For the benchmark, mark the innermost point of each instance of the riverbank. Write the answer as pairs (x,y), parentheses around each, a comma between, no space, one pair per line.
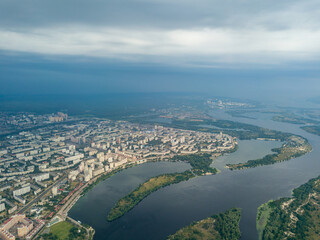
(297,217)
(294,145)
(221,226)
(163,213)
(200,164)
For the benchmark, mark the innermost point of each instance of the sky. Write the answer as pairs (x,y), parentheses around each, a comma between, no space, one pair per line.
(235,48)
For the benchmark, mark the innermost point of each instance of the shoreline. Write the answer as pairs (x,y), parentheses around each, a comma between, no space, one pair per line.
(200,164)
(107,175)
(297,217)
(104,176)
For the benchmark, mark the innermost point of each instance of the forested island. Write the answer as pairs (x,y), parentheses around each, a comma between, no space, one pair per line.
(223,226)
(315,129)
(292,218)
(200,164)
(310,125)
(293,119)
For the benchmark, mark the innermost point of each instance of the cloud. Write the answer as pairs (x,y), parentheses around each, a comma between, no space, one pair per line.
(210,31)
(160,13)
(214,45)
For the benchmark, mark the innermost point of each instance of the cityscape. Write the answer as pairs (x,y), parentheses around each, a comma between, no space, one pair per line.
(44,170)
(159,120)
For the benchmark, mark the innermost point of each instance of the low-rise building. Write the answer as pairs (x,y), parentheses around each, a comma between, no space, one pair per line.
(2,207)
(41,177)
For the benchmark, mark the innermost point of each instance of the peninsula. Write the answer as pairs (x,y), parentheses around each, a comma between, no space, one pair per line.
(294,146)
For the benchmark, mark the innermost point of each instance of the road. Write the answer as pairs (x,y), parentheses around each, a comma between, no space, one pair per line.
(29,204)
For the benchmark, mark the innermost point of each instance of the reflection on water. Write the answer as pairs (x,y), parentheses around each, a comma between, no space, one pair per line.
(170,208)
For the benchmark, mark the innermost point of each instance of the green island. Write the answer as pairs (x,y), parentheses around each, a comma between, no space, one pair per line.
(128,202)
(315,129)
(294,146)
(223,226)
(200,166)
(294,218)
(311,125)
(241,113)
(293,118)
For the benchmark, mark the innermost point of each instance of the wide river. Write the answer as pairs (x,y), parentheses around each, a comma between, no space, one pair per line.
(165,211)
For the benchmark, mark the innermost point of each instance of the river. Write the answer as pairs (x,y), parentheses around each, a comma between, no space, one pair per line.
(165,211)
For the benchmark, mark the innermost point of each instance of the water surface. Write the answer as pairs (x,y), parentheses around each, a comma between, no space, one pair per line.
(165,211)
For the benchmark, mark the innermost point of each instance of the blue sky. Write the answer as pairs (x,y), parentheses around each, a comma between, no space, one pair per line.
(80,46)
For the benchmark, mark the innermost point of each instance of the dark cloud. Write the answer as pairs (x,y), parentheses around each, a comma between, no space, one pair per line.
(203,33)
(154,13)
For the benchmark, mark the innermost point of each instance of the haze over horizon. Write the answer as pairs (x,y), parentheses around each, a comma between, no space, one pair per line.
(248,49)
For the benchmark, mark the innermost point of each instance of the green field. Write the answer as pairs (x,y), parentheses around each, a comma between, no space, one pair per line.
(223,226)
(61,230)
(65,230)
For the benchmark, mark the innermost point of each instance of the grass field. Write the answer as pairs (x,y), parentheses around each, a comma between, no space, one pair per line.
(61,230)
